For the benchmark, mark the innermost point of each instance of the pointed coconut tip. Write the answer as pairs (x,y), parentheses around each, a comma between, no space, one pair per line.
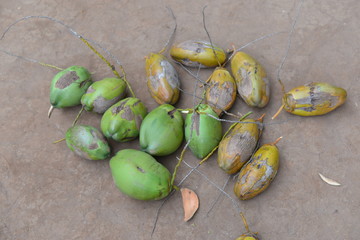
(278,112)
(277,140)
(190,203)
(51,109)
(261,118)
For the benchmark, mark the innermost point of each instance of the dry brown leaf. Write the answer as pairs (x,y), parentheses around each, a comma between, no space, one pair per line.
(329,181)
(190,203)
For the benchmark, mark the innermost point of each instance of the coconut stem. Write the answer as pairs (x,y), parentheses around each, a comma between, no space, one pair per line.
(245,222)
(207,32)
(282,86)
(260,119)
(51,109)
(101,56)
(232,52)
(209,155)
(173,32)
(51,66)
(31,60)
(208,80)
(277,140)
(126,81)
(177,166)
(246,115)
(112,67)
(78,116)
(278,112)
(60,140)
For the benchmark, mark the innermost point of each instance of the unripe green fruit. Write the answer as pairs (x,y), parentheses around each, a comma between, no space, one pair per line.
(161,132)
(87,142)
(205,133)
(103,94)
(68,86)
(138,175)
(122,121)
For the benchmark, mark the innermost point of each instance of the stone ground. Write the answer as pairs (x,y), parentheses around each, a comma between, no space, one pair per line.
(46,192)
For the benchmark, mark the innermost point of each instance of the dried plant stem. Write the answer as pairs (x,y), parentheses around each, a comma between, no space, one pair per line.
(158,212)
(177,166)
(209,155)
(252,42)
(112,67)
(207,32)
(277,140)
(31,60)
(78,115)
(51,66)
(101,57)
(261,117)
(215,185)
(191,73)
(220,194)
(173,32)
(288,45)
(278,112)
(60,140)
(245,222)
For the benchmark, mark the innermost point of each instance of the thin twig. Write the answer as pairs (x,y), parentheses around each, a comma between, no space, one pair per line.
(289,44)
(232,121)
(215,185)
(254,41)
(220,194)
(60,140)
(78,115)
(191,73)
(31,60)
(159,209)
(173,32)
(207,33)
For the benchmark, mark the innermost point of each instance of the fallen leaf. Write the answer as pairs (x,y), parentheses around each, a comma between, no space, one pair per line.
(190,203)
(329,181)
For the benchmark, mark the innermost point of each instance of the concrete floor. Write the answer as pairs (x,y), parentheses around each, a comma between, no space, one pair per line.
(46,192)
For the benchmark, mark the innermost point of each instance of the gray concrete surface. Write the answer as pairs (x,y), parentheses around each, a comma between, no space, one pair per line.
(46,192)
